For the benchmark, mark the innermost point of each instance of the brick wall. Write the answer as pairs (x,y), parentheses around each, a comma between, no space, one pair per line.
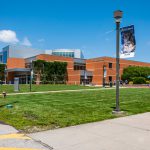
(15,63)
(96,66)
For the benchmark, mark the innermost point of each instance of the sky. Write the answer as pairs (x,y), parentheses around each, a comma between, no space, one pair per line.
(75,24)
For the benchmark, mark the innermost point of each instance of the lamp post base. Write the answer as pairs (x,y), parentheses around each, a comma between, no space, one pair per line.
(118,112)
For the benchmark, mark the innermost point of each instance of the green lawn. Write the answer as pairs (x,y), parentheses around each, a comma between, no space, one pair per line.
(47,111)
(44,87)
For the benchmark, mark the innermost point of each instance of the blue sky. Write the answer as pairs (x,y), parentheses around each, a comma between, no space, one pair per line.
(84,24)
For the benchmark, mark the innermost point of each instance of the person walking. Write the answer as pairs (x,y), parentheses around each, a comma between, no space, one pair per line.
(114,82)
(126,81)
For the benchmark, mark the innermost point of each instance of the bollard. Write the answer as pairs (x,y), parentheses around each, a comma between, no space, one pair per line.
(110,84)
(4,94)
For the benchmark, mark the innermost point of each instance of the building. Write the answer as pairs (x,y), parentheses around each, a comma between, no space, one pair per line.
(73,53)
(17,58)
(104,68)
(1,57)
(19,51)
(90,71)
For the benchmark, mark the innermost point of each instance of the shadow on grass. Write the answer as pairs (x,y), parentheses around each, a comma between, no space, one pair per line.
(3,123)
(3,105)
(113,108)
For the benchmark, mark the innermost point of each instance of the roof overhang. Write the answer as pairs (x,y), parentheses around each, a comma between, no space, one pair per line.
(85,72)
(18,70)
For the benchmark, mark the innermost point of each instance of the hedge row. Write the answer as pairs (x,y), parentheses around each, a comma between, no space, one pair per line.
(136,74)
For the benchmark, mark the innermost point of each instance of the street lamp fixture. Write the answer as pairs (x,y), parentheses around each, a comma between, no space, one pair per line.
(117,15)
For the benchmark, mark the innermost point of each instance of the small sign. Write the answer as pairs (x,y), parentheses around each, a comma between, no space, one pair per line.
(85,75)
(16,84)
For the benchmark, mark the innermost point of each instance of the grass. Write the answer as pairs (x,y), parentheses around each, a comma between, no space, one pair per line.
(44,87)
(47,111)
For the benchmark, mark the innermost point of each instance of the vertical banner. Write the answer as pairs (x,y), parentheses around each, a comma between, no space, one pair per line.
(128,43)
(32,73)
(105,72)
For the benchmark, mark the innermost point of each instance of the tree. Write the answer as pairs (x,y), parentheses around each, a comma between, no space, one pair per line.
(60,71)
(54,72)
(139,80)
(131,72)
(2,72)
(38,68)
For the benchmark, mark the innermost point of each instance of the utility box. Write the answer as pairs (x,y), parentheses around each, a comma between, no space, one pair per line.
(111,84)
(16,84)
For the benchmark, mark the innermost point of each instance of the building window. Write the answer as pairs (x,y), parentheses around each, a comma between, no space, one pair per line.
(65,54)
(110,65)
(5,56)
(1,58)
(78,66)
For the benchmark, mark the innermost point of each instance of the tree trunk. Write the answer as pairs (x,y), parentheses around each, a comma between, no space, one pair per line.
(38,79)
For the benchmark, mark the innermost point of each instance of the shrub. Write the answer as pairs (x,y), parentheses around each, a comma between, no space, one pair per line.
(135,71)
(139,80)
(50,72)
(131,82)
(147,82)
(2,69)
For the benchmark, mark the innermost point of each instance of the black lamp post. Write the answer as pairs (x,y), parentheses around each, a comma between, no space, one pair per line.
(31,75)
(104,75)
(117,16)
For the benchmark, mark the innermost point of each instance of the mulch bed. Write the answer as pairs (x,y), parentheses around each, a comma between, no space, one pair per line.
(137,86)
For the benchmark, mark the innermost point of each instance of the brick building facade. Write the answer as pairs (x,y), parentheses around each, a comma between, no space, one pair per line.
(97,65)
(89,71)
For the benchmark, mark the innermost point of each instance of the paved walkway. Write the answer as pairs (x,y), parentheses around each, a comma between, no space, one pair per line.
(11,139)
(59,91)
(62,91)
(127,133)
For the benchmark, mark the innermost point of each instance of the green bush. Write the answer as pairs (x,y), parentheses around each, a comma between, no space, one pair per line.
(147,82)
(135,71)
(2,69)
(50,72)
(131,82)
(139,80)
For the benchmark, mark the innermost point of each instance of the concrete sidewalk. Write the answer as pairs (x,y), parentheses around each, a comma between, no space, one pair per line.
(127,133)
(6,129)
(11,139)
(59,91)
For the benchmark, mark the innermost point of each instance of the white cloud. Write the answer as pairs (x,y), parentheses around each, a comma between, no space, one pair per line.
(41,40)
(108,32)
(8,36)
(26,42)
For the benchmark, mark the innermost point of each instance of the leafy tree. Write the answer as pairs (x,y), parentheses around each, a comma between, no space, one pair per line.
(131,72)
(50,71)
(139,80)
(2,74)
(38,68)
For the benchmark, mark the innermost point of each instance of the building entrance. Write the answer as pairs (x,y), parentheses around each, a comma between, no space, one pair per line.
(84,81)
(22,73)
